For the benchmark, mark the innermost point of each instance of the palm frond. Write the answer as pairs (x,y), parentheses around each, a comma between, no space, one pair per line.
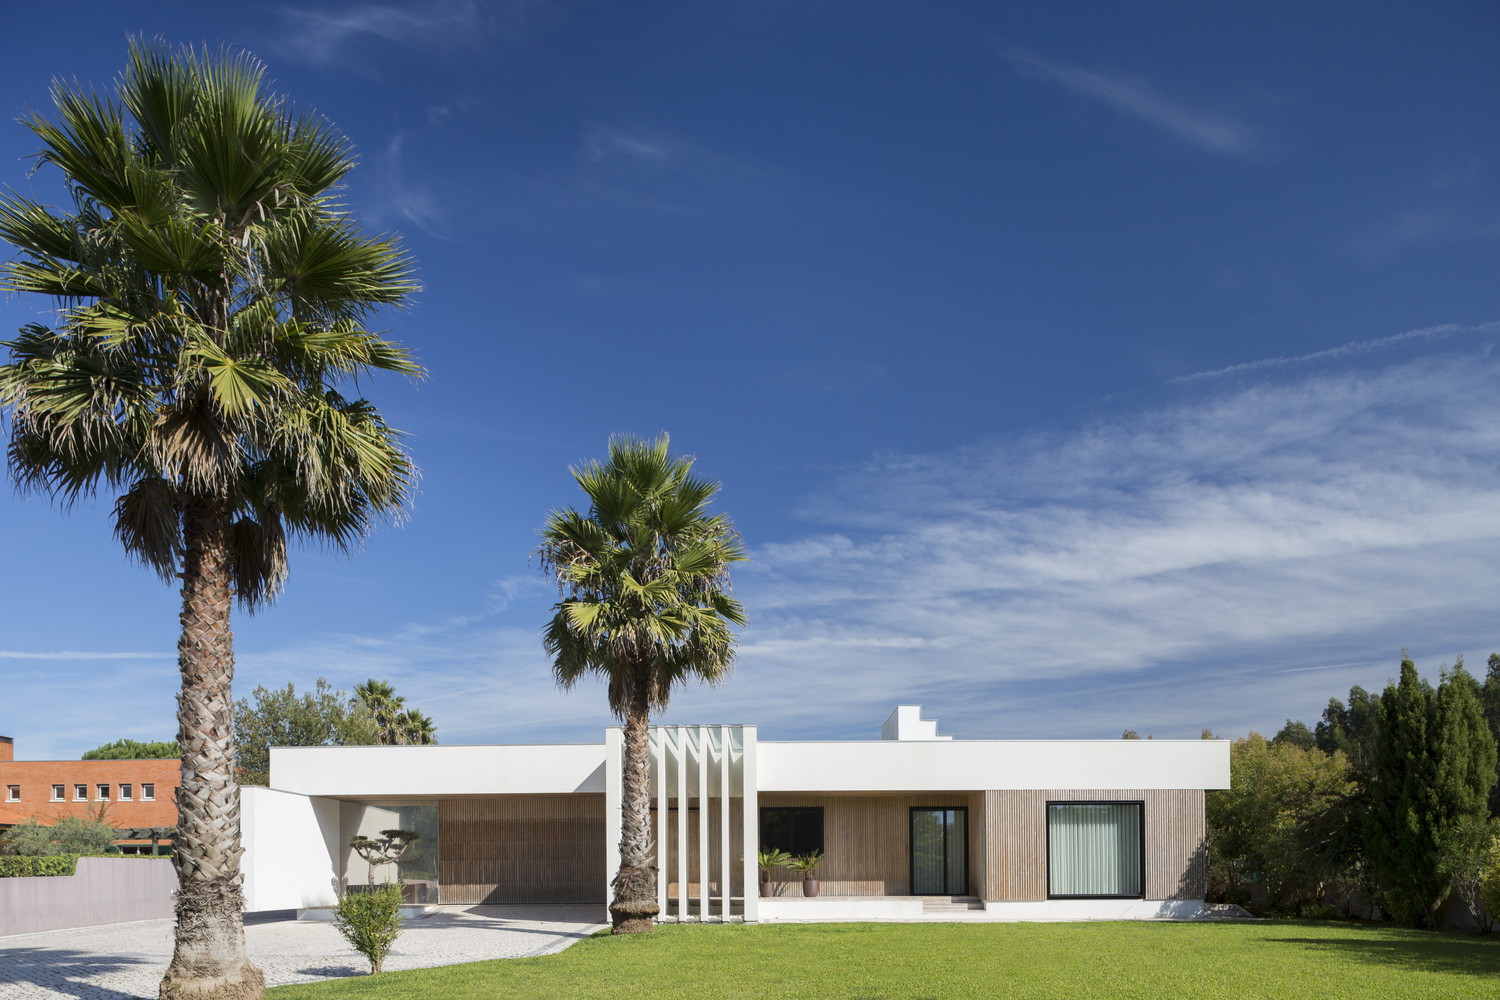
(147,524)
(257,556)
(643,577)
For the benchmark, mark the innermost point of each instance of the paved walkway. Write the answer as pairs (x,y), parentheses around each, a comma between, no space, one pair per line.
(127,961)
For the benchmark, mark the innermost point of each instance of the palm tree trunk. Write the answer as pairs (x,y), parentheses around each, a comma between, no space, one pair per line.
(635,904)
(209,959)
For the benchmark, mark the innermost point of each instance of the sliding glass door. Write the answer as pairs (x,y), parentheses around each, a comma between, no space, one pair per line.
(939,851)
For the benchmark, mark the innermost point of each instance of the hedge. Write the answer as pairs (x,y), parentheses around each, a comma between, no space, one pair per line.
(23,866)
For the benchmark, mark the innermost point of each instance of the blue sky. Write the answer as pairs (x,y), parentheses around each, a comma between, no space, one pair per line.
(1067,370)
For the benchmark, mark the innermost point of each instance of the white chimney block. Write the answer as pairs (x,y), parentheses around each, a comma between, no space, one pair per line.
(906,723)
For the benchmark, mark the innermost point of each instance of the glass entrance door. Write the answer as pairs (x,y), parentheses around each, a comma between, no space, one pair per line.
(939,851)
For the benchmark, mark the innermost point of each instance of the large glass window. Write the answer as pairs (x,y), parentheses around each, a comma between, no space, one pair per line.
(1094,849)
(796,830)
(417,869)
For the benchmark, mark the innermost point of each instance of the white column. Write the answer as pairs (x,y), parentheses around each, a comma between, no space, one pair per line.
(751,823)
(724,826)
(614,804)
(660,827)
(684,890)
(703,810)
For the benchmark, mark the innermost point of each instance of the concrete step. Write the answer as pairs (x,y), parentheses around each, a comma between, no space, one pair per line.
(951,904)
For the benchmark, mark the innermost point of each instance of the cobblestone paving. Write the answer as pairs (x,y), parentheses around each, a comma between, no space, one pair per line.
(127,961)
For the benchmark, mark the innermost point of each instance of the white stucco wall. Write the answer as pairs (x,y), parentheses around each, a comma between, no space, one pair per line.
(407,772)
(290,843)
(855,766)
(964,765)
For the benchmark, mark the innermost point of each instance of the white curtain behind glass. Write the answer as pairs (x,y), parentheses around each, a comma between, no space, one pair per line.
(1094,849)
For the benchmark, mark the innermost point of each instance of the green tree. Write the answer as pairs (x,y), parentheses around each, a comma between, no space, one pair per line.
(644,577)
(323,717)
(68,835)
(1295,734)
(134,750)
(1401,845)
(212,302)
(1465,754)
(1433,770)
(1489,702)
(1351,729)
(1278,820)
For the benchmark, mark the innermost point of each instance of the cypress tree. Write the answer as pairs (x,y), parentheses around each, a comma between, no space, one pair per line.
(1433,768)
(1489,702)
(1465,753)
(1400,841)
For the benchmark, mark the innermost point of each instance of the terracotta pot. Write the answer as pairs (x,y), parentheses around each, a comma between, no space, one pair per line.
(767,890)
(811,887)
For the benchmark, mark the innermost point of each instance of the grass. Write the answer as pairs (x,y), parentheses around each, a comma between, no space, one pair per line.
(1070,961)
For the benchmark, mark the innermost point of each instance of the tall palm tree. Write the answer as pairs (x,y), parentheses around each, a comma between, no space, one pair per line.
(644,578)
(212,300)
(380,699)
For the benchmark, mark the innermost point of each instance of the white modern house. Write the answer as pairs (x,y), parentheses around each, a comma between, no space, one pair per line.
(1020,829)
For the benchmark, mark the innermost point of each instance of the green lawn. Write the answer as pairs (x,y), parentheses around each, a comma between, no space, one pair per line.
(1151,961)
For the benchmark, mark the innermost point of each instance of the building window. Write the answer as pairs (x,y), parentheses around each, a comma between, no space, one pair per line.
(13,793)
(796,830)
(80,793)
(127,792)
(103,793)
(148,791)
(57,792)
(1095,849)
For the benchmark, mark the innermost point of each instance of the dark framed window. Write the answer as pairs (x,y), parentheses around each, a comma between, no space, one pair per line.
(794,829)
(939,850)
(1096,850)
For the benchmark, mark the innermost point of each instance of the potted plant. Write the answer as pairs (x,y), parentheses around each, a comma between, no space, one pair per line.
(807,864)
(765,861)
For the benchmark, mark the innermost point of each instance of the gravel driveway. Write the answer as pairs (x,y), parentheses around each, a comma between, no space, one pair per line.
(127,961)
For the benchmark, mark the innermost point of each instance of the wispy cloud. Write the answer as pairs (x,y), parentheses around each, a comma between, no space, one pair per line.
(410,201)
(1228,560)
(320,32)
(1139,100)
(659,171)
(603,143)
(1346,350)
(1452,224)
(76,654)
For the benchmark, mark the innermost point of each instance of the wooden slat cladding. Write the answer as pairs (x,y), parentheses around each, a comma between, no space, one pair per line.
(522,849)
(868,841)
(736,850)
(1016,840)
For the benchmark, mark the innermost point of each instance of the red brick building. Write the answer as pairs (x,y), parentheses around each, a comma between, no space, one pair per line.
(133,794)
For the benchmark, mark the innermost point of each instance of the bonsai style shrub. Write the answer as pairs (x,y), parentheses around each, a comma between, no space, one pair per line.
(370,921)
(386,849)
